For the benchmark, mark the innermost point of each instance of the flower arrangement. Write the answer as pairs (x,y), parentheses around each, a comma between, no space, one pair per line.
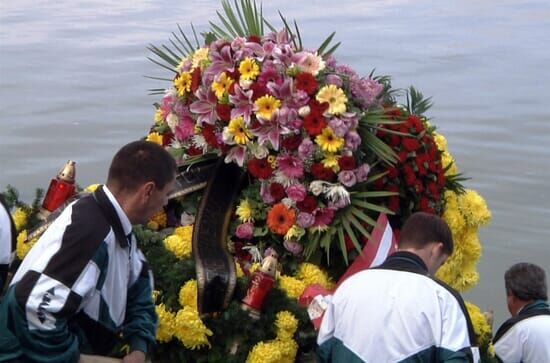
(324,150)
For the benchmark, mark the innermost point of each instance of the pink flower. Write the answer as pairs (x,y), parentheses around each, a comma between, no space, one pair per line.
(305,220)
(323,217)
(266,194)
(245,230)
(185,129)
(353,140)
(306,148)
(347,178)
(296,192)
(293,247)
(334,79)
(291,166)
(362,173)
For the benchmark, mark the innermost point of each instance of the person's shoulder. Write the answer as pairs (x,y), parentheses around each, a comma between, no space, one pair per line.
(86,221)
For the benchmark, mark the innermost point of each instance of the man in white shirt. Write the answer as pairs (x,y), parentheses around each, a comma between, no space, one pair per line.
(525,337)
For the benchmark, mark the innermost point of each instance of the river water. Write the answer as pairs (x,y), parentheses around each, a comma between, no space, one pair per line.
(72,86)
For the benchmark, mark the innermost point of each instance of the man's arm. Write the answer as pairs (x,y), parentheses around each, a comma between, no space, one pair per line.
(141,319)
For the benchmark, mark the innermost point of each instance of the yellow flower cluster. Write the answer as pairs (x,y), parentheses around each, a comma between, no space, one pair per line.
(245,212)
(446,157)
(283,348)
(20,218)
(200,58)
(167,324)
(23,247)
(154,137)
(188,294)
(312,274)
(292,286)
(190,329)
(481,325)
(180,242)
(158,221)
(465,213)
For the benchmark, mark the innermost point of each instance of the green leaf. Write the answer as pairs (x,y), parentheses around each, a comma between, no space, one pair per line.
(371,206)
(372,194)
(351,235)
(362,216)
(342,242)
(325,43)
(358,226)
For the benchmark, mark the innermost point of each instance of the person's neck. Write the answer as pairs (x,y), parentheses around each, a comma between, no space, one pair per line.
(124,200)
(521,305)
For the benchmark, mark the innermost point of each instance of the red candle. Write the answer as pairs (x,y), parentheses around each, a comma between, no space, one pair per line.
(261,283)
(61,188)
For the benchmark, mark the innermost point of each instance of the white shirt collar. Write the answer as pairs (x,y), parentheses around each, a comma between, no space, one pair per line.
(126,224)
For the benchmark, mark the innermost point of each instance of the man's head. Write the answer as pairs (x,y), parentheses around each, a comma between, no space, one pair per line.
(141,176)
(429,237)
(524,282)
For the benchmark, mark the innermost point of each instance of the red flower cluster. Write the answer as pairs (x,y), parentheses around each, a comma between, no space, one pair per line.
(418,176)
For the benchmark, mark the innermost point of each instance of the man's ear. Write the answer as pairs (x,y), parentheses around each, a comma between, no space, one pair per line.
(148,189)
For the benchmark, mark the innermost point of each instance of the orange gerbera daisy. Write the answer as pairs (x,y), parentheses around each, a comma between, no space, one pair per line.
(280,218)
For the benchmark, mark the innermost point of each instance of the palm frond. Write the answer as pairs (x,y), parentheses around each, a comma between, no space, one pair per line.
(416,103)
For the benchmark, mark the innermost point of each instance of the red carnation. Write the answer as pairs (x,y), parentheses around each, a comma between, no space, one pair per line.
(210,135)
(307,83)
(392,111)
(441,179)
(419,186)
(255,39)
(347,163)
(425,205)
(403,155)
(393,203)
(308,205)
(292,142)
(223,111)
(393,172)
(277,191)
(193,150)
(314,123)
(411,144)
(195,79)
(395,140)
(410,177)
(257,91)
(260,168)
(434,189)
(416,122)
(320,172)
(317,107)
(167,138)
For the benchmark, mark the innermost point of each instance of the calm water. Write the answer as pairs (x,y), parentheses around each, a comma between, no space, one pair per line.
(72,86)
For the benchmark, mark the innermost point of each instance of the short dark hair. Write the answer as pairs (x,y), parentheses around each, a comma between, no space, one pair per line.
(526,281)
(421,228)
(139,162)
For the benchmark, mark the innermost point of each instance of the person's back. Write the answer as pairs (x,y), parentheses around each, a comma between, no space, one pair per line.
(397,312)
(525,337)
(7,241)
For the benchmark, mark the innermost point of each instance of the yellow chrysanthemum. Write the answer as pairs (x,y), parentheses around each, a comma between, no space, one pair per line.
(329,141)
(441,141)
(292,286)
(274,351)
(92,188)
(20,218)
(245,212)
(183,83)
(158,221)
(266,106)
(335,97)
(178,245)
(155,137)
(331,162)
(239,270)
(188,294)
(190,329)
(312,274)
(222,85)
(255,266)
(249,69)
(237,128)
(159,116)
(200,58)
(286,324)
(166,325)
(474,208)
(23,247)
(481,325)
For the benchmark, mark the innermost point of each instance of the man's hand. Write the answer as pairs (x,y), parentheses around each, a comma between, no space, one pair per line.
(136,356)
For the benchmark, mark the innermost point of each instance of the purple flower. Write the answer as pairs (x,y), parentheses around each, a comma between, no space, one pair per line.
(266,194)
(269,74)
(305,220)
(334,79)
(245,230)
(291,166)
(339,127)
(242,100)
(347,178)
(353,140)
(222,59)
(236,154)
(296,192)
(306,148)
(270,131)
(362,173)
(205,106)
(185,128)
(365,89)
(293,247)
(346,70)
